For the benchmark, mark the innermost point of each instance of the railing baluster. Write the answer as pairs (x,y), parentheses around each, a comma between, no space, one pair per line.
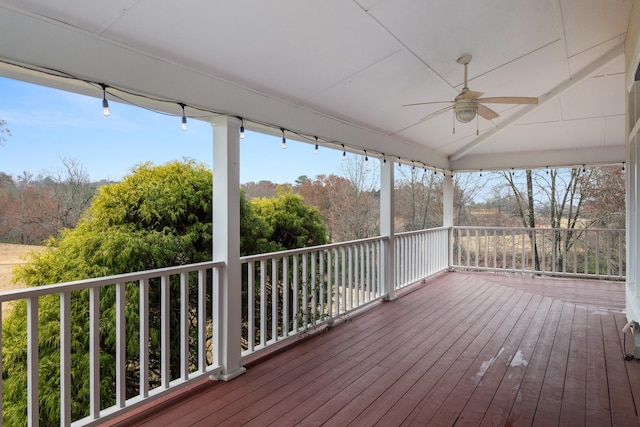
(305,296)
(597,254)
(33,411)
(285,296)
(339,270)
(184,326)
(564,251)
(586,252)
(620,257)
(314,308)
(263,303)
(121,346)
(251,305)
(94,352)
(367,254)
(296,294)
(165,325)
(321,283)
(144,338)
(217,316)
(608,234)
(274,299)
(202,320)
(575,253)
(65,359)
(330,300)
(350,275)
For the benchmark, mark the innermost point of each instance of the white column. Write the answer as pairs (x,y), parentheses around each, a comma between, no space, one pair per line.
(631,181)
(387,228)
(447,201)
(447,211)
(226,240)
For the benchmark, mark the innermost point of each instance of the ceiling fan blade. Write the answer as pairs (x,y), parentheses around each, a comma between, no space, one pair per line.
(471,94)
(509,100)
(426,103)
(486,112)
(435,113)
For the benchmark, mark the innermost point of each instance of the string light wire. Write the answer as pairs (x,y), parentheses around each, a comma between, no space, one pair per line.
(207,114)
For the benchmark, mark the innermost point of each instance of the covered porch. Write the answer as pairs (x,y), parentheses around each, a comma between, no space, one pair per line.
(457,349)
(339,74)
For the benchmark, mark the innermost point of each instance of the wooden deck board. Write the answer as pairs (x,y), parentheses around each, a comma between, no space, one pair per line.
(462,349)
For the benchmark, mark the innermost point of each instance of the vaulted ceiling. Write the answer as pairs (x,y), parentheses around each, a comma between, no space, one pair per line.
(342,70)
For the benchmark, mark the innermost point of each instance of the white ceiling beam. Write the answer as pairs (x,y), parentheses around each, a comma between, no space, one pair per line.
(540,159)
(558,91)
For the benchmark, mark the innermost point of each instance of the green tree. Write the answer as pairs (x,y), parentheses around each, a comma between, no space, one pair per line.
(158,216)
(294,224)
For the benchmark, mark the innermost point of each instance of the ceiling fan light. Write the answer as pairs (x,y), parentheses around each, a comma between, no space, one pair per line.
(465,110)
(465,115)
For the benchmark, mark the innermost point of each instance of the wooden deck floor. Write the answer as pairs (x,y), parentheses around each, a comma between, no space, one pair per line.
(462,349)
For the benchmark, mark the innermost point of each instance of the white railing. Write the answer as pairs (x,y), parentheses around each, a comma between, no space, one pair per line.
(597,253)
(287,293)
(170,312)
(171,304)
(419,254)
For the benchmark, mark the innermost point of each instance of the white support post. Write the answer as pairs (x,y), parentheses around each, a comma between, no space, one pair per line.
(631,213)
(387,228)
(447,212)
(226,246)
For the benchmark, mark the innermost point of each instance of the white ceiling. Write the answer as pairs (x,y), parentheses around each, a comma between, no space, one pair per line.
(341,70)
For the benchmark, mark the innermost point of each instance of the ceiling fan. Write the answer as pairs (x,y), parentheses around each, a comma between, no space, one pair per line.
(468,103)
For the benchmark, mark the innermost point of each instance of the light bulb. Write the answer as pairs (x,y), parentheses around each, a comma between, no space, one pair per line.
(242,130)
(344,152)
(366,159)
(184,118)
(284,140)
(315,150)
(105,103)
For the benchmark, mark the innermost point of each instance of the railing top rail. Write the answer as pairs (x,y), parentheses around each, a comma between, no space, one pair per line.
(477,227)
(52,289)
(309,249)
(424,230)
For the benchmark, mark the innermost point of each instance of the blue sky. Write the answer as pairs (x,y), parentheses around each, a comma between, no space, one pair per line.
(48,125)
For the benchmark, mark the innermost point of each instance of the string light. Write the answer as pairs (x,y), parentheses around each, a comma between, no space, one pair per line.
(547,170)
(105,103)
(584,169)
(366,159)
(481,173)
(513,172)
(184,117)
(384,158)
(413,165)
(315,150)
(107,112)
